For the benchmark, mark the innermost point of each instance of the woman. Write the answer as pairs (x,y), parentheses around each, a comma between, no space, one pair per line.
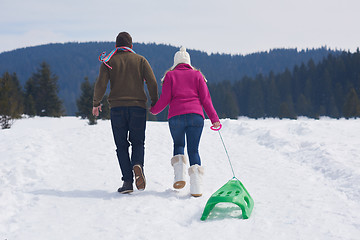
(184,90)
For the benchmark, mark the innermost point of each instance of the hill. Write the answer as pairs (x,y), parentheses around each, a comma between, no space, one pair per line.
(59,178)
(72,62)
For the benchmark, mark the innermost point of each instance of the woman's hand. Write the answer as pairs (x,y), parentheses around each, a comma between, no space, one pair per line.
(216,125)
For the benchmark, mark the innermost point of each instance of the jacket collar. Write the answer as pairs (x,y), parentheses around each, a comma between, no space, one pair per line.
(183,66)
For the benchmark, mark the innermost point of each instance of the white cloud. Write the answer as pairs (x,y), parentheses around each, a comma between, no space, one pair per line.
(231,26)
(32,38)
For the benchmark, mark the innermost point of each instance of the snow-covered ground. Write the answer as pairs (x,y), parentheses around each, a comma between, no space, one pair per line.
(59,177)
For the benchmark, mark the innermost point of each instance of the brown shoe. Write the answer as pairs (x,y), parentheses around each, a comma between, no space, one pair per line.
(140,181)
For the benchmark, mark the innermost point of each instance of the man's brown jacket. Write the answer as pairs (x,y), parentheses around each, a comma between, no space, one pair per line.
(127,76)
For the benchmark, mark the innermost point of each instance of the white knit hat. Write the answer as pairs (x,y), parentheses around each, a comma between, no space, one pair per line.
(181,57)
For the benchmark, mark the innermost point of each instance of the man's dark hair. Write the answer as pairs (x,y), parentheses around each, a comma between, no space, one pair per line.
(123,39)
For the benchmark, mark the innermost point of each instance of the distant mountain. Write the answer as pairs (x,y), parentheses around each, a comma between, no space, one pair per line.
(72,62)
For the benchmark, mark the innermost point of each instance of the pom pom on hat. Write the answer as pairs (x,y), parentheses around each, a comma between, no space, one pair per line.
(181,57)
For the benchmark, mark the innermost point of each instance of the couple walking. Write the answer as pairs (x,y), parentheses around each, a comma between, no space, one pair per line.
(184,89)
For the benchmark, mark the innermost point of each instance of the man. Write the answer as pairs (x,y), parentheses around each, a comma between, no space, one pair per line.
(127,72)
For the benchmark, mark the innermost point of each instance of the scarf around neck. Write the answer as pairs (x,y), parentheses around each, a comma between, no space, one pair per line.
(103,58)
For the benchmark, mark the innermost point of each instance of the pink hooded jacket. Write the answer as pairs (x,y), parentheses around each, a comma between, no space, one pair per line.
(184,90)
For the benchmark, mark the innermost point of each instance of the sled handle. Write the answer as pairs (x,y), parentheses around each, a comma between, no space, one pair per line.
(216,129)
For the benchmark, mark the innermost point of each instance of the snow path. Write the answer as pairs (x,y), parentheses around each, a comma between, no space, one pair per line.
(59,176)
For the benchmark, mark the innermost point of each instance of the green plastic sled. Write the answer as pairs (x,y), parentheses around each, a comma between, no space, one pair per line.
(233,192)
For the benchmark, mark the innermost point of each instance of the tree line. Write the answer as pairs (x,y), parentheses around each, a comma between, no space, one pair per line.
(38,98)
(71,62)
(328,88)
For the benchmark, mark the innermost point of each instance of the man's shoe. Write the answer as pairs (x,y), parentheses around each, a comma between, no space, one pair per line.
(140,181)
(126,188)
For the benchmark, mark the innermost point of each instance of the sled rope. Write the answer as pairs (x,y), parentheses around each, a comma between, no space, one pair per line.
(103,58)
(227,154)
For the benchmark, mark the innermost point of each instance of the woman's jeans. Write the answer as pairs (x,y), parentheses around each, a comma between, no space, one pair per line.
(128,126)
(191,126)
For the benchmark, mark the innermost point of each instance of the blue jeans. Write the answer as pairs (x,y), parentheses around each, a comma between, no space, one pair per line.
(191,126)
(128,126)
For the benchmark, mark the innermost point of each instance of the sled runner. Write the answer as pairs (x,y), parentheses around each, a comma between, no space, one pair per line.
(232,192)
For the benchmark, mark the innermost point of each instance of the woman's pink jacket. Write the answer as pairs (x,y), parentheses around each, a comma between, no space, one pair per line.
(185,91)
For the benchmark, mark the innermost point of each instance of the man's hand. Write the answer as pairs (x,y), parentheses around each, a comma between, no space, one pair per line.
(96,110)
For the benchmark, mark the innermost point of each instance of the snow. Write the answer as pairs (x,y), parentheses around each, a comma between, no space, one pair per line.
(59,177)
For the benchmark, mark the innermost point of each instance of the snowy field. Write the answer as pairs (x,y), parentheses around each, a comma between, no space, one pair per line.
(59,177)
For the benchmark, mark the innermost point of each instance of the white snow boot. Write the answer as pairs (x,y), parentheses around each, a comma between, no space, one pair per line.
(179,163)
(196,173)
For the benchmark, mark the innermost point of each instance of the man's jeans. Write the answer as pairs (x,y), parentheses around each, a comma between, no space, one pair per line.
(128,126)
(191,126)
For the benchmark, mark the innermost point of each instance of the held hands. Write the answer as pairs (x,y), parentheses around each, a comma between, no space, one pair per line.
(151,111)
(95,110)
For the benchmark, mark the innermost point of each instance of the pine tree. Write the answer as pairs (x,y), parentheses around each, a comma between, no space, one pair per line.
(303,106)
(43,88)
(256,98)
(308,92)
(29,104)
(11,100)
(272,98)
(84,103)
(224,100)
(326,92)
(287,109)
(352,105)
(240,89)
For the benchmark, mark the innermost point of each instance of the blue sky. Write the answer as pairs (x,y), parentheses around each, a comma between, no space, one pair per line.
(228,26)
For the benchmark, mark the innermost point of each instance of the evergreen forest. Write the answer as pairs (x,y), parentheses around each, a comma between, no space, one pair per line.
(313,87)
(72,62)
(328,88)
